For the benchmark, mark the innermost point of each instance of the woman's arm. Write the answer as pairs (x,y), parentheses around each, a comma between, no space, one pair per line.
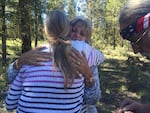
(32,57)
(93,94)
(14,94)
(81,64)
(92,87)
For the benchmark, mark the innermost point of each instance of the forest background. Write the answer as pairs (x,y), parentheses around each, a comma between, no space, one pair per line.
(123,74)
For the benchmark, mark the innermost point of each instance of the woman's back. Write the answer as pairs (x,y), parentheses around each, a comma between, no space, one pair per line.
(43,90)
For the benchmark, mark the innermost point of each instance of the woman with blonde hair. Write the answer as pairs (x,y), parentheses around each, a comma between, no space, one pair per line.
(55,86)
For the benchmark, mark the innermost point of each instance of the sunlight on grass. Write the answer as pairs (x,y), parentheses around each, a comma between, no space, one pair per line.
(13,46)
(118,53)
(123,88)
(132,94)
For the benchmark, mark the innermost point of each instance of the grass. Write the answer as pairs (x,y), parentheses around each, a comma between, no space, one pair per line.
(123,74)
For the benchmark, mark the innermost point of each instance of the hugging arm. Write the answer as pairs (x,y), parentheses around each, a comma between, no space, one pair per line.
(14,94)
(32,57)
(92,89)
(93,94)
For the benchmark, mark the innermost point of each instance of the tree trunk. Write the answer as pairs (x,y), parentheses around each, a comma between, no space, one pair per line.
(114,38)
(3,35)
(36,24)
(25,25)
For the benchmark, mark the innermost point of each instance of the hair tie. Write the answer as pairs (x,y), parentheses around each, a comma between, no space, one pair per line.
(61,41)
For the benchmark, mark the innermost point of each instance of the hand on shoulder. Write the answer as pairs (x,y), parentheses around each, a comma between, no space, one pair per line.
(32,57)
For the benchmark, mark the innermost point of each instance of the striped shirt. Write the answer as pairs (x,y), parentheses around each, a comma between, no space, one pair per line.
(40,89)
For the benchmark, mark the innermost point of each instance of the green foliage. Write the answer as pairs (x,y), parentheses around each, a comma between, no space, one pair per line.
(55,4)
(112,10)
(70,8)
(104,15)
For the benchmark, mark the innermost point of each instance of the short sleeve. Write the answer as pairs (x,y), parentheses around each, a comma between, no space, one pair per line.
(94,56)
